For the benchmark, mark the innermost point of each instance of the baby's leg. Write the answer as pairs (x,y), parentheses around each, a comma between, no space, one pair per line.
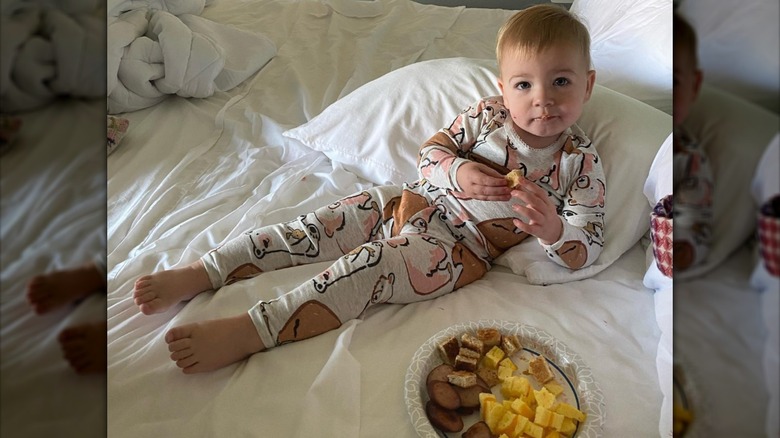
(53,290)
(326,234)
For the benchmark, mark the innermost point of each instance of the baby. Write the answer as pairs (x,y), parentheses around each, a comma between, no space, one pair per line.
(429,237)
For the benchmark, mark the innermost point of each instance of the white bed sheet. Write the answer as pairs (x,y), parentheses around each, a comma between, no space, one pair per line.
(191,174)
(53,217)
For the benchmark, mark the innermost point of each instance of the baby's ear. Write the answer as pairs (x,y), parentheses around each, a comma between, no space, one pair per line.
(500,85)
(591,81)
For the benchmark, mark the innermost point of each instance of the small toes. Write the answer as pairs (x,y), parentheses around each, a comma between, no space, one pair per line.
(181,354)
(179,344)
(143,297)
(186,362)
(177,333)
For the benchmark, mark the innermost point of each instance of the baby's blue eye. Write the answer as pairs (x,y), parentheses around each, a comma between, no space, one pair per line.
(523,85)
(561,81)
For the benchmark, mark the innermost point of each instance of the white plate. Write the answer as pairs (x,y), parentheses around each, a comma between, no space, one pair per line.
(580,389)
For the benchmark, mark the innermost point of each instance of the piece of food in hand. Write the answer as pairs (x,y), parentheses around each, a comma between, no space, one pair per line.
(479,429)
(490,337)
(464,363)
(464,379)
(448,349)
(539,368)
(510,344)
(472,343)
(443,419)
(444,395)
(439,374)
(513,178)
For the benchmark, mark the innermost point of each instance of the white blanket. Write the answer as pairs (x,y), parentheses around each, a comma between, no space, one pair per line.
(154,54)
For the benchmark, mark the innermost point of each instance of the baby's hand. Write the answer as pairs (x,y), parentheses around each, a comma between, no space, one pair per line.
(479,181)
(543,220)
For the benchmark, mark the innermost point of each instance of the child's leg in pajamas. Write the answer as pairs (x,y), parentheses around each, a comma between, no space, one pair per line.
(326,234)
(403,269)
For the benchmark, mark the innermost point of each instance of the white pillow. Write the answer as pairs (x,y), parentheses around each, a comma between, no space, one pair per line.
(738,46)
(376,132)
(734,133)
(631,46)
(659,184)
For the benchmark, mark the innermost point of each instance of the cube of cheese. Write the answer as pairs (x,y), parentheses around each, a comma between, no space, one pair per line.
(553,434)
(533,430)
(554,388)
(521,386)
(542,417)
(544,398)
(504,373)
(507,422)
(494,415)
(556,421)
(507,362)
(486,407)
(520,426)
(493,357)
(568,427)
(521,408)
(569,411)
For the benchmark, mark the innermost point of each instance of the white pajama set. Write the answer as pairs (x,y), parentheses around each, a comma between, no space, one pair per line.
(406,244)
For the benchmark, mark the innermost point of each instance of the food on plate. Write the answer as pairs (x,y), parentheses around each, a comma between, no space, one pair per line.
(444,395)
(448,349)
(477,430)
(472,343)
(539,368)
(443,419)
(464,379)
(487,359)
(490,337)
(513,178)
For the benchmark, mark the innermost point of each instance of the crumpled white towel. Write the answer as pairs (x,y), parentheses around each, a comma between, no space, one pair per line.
(153,54)
(46,53)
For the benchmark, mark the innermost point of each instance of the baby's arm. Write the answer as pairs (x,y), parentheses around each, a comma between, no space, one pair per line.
(442,158)
(692,207)
(581,237)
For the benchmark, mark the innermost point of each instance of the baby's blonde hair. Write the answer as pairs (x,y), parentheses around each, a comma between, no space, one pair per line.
(539,27)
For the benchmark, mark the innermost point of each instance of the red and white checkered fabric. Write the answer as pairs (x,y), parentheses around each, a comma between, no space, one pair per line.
(769,242)
(661,235)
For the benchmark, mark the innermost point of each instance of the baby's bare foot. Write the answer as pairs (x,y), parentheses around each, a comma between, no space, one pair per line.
(158,292)
(210,345)
(55,289)
(84,347)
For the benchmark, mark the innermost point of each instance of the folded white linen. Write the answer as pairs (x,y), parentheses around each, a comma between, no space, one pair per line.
(46,54)
(154,54)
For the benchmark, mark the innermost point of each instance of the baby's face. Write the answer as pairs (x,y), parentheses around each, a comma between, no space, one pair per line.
(545,91)
(686,81)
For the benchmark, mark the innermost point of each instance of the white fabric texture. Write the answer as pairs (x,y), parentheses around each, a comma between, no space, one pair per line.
(46,54)
(175,7)
(154,54)
(399,105)
(734,133)
(631,42)
(738,46)
(226,168)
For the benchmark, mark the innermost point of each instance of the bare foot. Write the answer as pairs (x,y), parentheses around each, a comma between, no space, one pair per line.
(55,289)
(210,345)
(84,347)
(158,292)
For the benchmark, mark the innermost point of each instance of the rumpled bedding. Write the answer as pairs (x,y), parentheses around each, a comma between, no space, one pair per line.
(48,53)
(154,54)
